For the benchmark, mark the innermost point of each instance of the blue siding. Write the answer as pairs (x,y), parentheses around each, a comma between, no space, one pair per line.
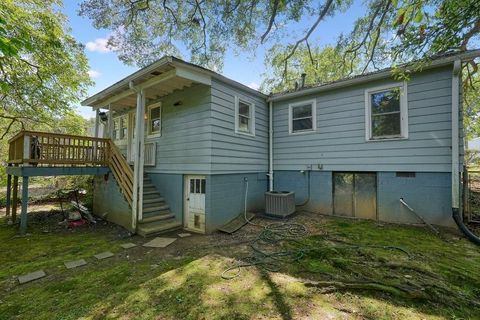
(339,142)
(233,152)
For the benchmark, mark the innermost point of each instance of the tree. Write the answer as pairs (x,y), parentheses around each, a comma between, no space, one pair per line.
(43,70)
(319,65)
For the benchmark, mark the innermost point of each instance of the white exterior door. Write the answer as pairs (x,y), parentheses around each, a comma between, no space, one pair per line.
(195,203)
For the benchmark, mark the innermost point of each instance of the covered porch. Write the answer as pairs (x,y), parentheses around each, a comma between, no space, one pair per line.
(126,110)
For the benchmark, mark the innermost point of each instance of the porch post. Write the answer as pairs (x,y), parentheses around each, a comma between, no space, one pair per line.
(9,194)
(23,217)
(14,198)
(97,122)
(110,124)
(138,160)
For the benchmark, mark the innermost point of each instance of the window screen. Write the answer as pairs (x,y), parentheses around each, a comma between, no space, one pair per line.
(385,113)
(302,118)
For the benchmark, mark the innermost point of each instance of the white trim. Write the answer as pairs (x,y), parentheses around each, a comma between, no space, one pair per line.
(149,129)
(313,104)
(403,111)
(251,112)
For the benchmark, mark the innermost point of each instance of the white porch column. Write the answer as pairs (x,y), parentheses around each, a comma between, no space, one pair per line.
(97,122)
(138,160)
(110,123)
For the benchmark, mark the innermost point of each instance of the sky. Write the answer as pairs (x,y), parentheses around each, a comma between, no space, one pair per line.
(244,67)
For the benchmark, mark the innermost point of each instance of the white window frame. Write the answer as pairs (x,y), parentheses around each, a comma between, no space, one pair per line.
(403,112)
(149,122)
(251,132)
(291,106)
(118,120)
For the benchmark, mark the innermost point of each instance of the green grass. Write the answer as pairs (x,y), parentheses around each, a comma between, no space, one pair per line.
(432,279)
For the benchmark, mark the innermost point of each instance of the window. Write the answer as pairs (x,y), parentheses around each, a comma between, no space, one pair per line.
(116,132)
(302,117)
(154,119)
(244,117)
(120,127)
(386,113)
(123,127)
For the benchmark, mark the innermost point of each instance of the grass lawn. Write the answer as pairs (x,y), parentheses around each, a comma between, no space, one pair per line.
(342,269)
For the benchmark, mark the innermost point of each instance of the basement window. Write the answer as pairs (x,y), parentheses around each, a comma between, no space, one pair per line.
(386,112)
(244,117)
(302,117)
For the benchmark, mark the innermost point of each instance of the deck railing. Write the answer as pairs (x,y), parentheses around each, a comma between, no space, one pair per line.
(55,149)
(32,147)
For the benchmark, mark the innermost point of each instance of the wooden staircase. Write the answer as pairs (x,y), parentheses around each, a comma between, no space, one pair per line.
(156,217)
(62,150)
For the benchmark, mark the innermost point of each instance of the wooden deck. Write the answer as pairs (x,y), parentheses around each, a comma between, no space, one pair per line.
(33,153)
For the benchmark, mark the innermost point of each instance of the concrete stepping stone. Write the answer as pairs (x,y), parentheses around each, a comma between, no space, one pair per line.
(75,264)
(184,235)
(24,278)
(159,242)
(128,245)
(104,255)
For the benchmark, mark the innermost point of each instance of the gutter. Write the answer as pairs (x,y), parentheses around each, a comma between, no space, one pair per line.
(457,215)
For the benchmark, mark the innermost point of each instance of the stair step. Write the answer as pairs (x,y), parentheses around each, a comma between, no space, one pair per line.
(158,217)
(158,227)
(152,200)
(156,208)
(150,192)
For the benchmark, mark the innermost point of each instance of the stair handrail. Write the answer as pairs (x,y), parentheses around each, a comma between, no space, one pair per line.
(122,171)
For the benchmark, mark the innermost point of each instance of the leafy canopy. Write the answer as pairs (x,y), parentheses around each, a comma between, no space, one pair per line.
(43,70)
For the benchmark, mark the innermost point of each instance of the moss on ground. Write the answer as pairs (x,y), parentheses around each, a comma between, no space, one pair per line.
(350,270)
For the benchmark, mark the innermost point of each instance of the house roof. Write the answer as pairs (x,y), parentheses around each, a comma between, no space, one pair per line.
(161,68)
(436,61)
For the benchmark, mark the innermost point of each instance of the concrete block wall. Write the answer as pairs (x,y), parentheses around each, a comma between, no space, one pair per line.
(109,203)
(428,193)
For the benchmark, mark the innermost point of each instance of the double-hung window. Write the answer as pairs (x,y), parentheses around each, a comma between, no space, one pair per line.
(120,128)
(302,117)
(386,112)
(154,120)
(244,117)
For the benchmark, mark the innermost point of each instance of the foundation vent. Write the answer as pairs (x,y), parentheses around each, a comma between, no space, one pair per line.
(279,203)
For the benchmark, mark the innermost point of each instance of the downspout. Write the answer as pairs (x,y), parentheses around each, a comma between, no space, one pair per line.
(457,215)
(270,146)
(138,159)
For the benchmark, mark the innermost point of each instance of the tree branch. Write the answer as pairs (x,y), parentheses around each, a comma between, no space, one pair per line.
(272,20)
(321,15)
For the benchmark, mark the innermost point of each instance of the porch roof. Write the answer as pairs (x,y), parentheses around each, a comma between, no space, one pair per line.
(157,80)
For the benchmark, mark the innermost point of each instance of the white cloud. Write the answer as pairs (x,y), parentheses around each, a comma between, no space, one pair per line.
(98,45)
(253,85)
(94,73)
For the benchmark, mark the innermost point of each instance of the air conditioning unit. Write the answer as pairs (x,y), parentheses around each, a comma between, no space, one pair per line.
(279,203)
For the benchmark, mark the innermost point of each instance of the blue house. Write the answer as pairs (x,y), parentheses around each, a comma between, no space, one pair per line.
(184,146)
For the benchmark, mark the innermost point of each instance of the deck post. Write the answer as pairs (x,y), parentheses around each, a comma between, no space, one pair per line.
(9,194)
(23,217)
(14,198)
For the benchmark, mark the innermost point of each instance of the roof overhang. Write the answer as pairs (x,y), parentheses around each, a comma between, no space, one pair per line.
(382,74)
(157,80)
